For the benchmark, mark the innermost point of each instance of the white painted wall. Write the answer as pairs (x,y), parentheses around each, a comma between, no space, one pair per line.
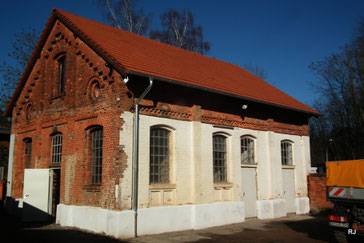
(191,165)
(218,213)
(10,166)
(150,220)
(115,223)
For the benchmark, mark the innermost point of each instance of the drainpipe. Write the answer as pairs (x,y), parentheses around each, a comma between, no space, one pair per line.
(136,154)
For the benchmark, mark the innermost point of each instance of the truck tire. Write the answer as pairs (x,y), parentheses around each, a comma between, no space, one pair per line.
(340,236)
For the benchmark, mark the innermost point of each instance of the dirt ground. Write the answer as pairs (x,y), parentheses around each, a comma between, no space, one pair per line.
(293,228)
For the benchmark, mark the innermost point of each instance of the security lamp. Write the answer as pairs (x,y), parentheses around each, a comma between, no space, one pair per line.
(125,80)
(244,107)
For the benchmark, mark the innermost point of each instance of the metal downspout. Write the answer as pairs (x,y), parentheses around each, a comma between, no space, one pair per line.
(136,156)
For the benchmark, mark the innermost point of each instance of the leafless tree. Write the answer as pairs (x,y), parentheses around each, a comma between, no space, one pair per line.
(179,30)
(256,70)
(22,49)
(123,14)
(341,89)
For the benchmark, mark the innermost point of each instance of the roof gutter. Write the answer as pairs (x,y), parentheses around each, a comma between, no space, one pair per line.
(219,92)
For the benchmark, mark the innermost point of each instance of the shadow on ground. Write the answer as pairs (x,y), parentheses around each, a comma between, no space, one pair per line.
(12,230)
(314,229)
(318,228)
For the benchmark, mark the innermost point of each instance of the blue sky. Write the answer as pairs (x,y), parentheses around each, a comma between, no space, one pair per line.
(281,36)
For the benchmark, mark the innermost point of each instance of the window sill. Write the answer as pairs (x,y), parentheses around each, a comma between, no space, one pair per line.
(223,185)
(162,186)
(92,188)
(60,95)
(249,165)
(288,166)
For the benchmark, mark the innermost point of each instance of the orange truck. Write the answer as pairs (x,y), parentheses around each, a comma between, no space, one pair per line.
(345,189)
(2,187)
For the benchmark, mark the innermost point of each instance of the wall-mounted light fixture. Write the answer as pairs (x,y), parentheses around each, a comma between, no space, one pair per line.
(126,80)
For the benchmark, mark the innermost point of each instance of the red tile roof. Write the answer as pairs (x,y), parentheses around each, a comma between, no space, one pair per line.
(132,53)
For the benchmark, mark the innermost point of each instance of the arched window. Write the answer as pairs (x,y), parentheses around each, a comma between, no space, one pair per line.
(56,148)
(159,155)
(96,136)
(247,150)
(286,152)
(219,158)
(61,74)
(28,152)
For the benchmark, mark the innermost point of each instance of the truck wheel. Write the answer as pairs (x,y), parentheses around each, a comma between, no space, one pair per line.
(340,236)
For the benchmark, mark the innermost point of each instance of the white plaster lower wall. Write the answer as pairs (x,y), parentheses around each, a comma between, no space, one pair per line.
(164,219)
(302,205)
(268,209)
(218,213)
(150,220)
(117,224)
(10,165)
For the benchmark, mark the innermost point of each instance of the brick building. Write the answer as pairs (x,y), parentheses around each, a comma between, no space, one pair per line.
(216,143)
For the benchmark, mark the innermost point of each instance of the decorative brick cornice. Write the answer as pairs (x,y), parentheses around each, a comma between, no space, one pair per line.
(164,113)
(233,123)
(289,129)
(218,118)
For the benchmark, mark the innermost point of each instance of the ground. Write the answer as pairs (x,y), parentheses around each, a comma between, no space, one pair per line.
(293,228)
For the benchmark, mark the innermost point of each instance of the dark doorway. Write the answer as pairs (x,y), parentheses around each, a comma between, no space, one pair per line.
(56,186)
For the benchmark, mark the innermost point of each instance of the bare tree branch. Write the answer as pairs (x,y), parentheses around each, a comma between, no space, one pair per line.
(179,30)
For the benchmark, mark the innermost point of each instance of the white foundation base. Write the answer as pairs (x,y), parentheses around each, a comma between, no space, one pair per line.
(153,220)
(269,209)
(302,205)
(117,224)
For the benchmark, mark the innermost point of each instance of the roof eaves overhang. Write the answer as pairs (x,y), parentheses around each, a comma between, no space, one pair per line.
(220,92)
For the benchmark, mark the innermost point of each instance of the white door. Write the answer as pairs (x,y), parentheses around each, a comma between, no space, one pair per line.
(36,195)
(288,190)
(249,191)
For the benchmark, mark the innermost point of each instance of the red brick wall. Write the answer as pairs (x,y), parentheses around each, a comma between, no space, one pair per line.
(317,191)
(71,113)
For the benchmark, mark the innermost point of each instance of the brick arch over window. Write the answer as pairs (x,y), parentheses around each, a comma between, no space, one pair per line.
(160,159)
(219,153)
(94,159)
(59,54)
(287,152)
(247,146)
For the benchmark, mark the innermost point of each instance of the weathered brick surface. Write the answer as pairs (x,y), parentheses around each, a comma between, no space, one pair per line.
(40,111)
(71,113)
(317,191)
